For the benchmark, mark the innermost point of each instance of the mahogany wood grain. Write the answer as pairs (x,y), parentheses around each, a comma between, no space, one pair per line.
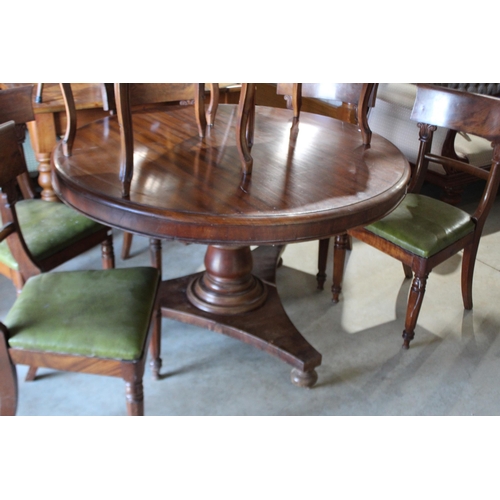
(189,188)
(192,189)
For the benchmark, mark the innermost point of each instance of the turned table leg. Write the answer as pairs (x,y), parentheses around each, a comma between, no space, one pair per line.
(228,285)
(43,138)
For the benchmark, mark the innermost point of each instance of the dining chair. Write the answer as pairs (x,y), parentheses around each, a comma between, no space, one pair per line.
(50,232)
(94,321)
(354,100)
(423,232)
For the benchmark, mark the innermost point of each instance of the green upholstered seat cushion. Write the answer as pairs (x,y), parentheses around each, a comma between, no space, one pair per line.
(47,228)
(102,313)
(423,225)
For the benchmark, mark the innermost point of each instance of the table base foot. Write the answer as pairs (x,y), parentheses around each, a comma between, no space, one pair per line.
(303,379)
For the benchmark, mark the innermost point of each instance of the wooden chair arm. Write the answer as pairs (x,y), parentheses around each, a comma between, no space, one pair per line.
(6,230)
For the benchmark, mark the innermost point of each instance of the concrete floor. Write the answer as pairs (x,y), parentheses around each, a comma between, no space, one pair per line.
(450,369)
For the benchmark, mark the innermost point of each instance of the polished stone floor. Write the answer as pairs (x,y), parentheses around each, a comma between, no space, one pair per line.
(450,369)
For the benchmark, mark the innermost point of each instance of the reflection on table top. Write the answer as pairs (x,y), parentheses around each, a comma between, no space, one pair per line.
(318,185)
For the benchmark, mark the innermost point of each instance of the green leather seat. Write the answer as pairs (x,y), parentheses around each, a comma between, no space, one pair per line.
(423,225)
(47,228)
(103,313)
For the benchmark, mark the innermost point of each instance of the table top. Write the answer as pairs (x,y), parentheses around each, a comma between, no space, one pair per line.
(192,189)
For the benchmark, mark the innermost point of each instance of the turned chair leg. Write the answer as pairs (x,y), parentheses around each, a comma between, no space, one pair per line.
(18,280)
(408,271)
(342,243)
(155,253)
(107,253)
(126,245)
(132,374)
(468,264)
(322,260)
(8,380)
(415,299)
(155,345)
(31,375)
(135,398)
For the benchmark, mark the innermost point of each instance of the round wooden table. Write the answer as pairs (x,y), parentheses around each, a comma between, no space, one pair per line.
(307,186)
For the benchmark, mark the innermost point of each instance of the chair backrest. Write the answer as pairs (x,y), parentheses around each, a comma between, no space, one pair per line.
(148,93)
(12,165)
(463,112)
(135,94)
(360,96)
(16,104)
(11,159)
(128,95)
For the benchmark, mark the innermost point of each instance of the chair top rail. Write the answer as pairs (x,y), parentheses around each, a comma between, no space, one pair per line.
(457,110)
